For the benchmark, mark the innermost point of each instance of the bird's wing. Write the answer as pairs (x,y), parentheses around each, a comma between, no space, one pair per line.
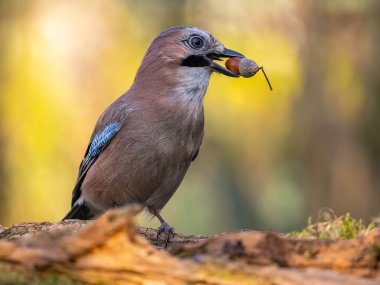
(108,125)
(99,142)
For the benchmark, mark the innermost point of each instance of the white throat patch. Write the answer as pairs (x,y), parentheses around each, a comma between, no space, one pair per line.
(192,84)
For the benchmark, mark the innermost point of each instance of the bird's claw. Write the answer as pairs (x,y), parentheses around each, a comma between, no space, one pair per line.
(168,230)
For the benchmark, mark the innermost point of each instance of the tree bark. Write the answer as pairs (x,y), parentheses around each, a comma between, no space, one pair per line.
(112,250)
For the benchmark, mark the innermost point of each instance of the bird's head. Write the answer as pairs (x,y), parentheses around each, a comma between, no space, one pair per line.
(184,50)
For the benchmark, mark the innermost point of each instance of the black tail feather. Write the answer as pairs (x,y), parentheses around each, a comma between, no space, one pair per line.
(80,212)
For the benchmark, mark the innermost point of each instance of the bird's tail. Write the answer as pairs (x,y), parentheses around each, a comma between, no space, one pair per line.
(80,212)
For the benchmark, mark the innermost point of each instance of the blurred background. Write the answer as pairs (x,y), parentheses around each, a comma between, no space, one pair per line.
(268,159)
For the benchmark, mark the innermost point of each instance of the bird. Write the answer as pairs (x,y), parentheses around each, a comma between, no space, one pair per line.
(144,142)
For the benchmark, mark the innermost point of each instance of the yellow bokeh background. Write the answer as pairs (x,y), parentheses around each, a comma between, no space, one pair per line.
(268,159)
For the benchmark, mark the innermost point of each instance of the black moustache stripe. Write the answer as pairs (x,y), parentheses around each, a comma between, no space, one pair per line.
(195,61)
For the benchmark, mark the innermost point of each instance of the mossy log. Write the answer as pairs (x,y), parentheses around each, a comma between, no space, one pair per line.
(112,250)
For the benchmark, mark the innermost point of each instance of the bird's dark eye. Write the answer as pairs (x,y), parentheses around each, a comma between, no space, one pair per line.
(196,42)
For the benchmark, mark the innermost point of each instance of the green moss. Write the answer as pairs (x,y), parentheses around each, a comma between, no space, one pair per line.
(332,227)
(14,277)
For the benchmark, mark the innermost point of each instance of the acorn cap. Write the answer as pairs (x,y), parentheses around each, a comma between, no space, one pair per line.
(247,67)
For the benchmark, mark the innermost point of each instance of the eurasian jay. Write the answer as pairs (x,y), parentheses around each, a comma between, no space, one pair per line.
(144,142)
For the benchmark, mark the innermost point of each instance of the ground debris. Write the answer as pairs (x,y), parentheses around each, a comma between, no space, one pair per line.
(112,250)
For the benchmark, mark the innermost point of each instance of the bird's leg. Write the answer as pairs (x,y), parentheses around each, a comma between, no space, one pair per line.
(164,228)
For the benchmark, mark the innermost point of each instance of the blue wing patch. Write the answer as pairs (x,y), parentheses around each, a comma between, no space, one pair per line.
(98,143)
(102,138)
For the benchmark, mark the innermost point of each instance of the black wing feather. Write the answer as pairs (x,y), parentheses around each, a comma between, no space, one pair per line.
(83,168)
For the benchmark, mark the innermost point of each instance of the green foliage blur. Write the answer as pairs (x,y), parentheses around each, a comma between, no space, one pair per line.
(268,159)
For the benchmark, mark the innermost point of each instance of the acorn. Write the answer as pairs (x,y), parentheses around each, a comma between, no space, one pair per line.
(245,67)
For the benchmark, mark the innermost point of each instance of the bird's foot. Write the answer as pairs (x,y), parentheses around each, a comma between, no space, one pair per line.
(168,230)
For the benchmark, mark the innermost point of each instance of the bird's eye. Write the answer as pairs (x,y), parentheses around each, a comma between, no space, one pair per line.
(196,42)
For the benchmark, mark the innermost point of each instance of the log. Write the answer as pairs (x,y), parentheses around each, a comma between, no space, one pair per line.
(112,250)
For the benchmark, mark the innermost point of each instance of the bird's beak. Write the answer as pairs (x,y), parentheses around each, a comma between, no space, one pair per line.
(218,68)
